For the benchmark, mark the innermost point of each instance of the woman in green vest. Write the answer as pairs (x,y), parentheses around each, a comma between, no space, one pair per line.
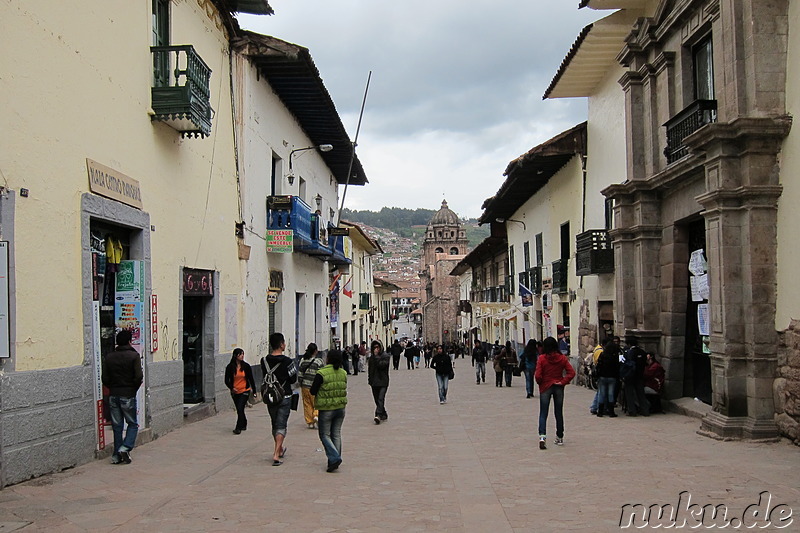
(330,390)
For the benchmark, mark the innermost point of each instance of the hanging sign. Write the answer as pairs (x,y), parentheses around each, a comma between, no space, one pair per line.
(153,323)
(198,282)
(280,241)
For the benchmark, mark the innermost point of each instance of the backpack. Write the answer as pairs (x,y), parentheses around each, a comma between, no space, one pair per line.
(627,369)
(271,390)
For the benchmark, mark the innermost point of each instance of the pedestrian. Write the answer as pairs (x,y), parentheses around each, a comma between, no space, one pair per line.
(498,364)
(396,350)
(285,372)
(330,390)
(413,349)
(479,357)
(528,364)
(636,358)
(122,374)
(310,363)
(510,357)
(444,370)
(378,379)
(428,354)
(654,375)
(607,376)
(356,360)
(239,379)
(409,355)
(553,373)
(346,356)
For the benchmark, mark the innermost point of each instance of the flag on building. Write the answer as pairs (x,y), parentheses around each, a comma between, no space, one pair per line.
(348,288)
(334,288)
(526,295)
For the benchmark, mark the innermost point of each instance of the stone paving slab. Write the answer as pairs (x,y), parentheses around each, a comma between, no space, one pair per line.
(470,465)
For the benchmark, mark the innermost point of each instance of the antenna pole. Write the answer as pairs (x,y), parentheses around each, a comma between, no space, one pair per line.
(353,151)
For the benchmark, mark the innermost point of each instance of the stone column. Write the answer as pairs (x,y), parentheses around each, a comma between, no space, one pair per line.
(740,208)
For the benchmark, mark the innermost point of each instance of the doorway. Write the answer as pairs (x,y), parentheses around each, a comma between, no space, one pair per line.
(193,312)
(697,368)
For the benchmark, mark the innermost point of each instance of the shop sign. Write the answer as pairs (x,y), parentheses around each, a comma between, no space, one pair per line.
(153,323)
(110,183)
(198,282)
(280,241)
(339,232)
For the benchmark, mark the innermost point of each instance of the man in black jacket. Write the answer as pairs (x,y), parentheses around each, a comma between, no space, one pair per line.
(479,357)
(122,374)
(396,350)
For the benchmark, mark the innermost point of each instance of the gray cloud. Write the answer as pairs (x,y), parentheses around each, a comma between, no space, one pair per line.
(455,93)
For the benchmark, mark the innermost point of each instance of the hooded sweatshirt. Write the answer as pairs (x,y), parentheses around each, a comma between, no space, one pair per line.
(553,369)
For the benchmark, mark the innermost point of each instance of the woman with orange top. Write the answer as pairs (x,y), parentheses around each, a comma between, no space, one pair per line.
(239,379)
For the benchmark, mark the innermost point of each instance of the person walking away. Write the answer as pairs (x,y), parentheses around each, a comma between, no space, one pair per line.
(654,375)
(310,363)
(412,349)
(428,354)
(636,360)
(378,379)
(285,372)
(363,353)
(510,357)
(607,376)
(479,357)
(444,369)
(122,374)
(553,373)
(346,356)
(355,365)
(239,379)
(528,364)
(330,390)
(396,350)
(409,355)
(498,363)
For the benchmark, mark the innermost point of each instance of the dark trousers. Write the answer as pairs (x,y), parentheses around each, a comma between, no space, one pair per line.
(355,364)
(509,372)
(379,395)
(498,379)
(410,363)
(635,400)
(240,401)
(396,361)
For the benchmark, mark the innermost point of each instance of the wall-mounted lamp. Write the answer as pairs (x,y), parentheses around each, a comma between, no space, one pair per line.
(502,220)
(318,200)
(321,148)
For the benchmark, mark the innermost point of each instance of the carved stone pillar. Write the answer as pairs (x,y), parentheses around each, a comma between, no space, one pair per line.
(740,208)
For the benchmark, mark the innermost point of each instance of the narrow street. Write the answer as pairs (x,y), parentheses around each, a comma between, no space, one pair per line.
(470,465)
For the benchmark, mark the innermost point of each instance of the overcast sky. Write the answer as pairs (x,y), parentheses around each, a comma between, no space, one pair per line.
(456,89)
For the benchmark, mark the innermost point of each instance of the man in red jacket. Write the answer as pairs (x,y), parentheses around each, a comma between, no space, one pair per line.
(553,372)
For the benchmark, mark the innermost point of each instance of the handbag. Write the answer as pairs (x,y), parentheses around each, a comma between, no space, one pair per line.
(295,401)
(452,374)
(251,398)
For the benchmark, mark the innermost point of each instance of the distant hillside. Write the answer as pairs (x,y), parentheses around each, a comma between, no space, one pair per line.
(401,221)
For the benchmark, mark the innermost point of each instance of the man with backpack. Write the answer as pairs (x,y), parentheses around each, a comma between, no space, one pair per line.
(632,374)
(279,373)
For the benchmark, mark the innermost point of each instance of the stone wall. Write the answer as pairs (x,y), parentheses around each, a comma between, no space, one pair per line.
(787,385)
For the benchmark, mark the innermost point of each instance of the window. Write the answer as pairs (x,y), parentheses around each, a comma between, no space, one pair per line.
(161,38)
(539,250)
(526,255)
(703,65)
(439,250)
(453,251)
(276,173)
(565,239)
(609,213)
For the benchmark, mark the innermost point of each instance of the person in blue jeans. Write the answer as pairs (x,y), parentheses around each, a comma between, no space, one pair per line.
(553,373)
(122,374)
(607,376)
(444,368)
(528,362)
(330,390)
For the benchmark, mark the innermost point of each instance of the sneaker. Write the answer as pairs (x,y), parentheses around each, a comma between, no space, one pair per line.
(115,460)
(334,465)
(542,443)
(311,425)
(124,457)
(377,420)
(441,402)
(559,441)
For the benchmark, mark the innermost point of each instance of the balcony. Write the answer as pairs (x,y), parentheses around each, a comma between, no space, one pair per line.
(292,213)
(688,121)
(594,254)
(180,94)
(560,276)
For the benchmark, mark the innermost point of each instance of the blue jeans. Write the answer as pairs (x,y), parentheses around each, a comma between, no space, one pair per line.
(480,372)
(330,433)
(442,380)
(605,391)
(528,371)
(279,414)
(123,411)
(557,393)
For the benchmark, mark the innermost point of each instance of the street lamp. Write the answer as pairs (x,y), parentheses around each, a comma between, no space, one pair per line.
(502,220)
(321,148)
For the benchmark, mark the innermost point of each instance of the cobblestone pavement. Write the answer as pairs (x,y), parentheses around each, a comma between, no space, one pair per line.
(470,465)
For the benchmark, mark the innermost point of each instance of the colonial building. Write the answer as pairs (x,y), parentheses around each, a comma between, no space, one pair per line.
(444,246)
(705,215)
